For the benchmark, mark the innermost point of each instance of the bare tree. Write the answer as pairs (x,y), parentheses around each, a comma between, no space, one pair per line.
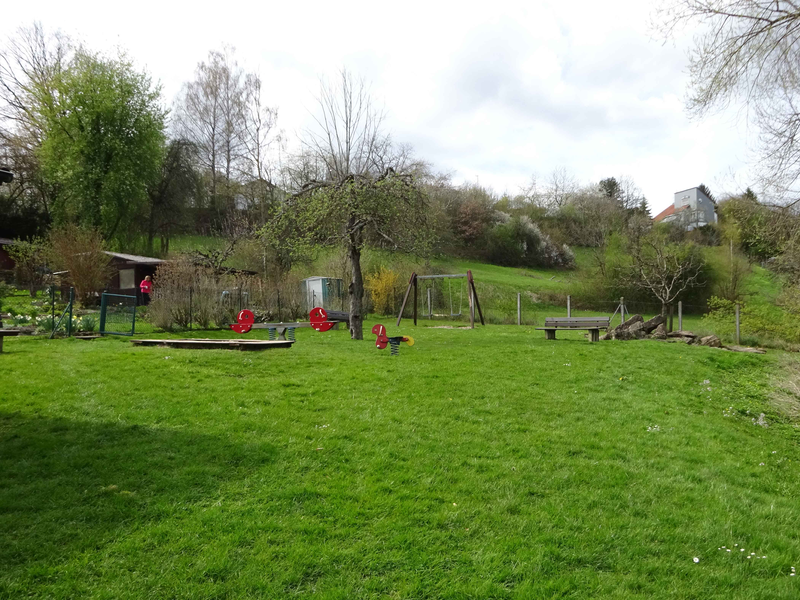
(359,192)
(749,52)
(664,270)
(30,64)
(210,114)
(561,187)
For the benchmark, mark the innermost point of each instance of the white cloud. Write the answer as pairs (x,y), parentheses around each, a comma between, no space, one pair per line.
(491,91)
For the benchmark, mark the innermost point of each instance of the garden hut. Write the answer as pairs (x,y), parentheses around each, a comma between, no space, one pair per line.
(325,292)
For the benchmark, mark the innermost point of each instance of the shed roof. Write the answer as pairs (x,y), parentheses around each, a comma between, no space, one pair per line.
(133,258)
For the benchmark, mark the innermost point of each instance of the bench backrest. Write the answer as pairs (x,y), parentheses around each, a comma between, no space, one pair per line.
(577,322)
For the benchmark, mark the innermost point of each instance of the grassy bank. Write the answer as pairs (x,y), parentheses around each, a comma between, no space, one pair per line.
(477,464)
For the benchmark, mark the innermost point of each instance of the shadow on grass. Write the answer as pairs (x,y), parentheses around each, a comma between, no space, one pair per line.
(69,486)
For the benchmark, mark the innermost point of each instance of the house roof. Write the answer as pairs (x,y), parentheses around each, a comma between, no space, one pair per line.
(133,258)
(670,210)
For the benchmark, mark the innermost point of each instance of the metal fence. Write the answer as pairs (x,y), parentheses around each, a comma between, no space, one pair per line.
(117,314)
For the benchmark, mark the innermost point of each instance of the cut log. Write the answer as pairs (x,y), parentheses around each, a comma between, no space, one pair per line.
(660,332)
(627,324)
(711,341)
(745,349)
(652,324)
(681,334)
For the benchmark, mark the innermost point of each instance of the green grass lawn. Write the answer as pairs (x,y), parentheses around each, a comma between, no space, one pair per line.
(477,464)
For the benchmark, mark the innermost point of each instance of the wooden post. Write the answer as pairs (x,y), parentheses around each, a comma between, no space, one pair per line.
(519,309)
(622,308)
(415,301)
(405,298)
(569,306)
(71,302)
(680,315)
(430,312)
(471,309)
(738,331)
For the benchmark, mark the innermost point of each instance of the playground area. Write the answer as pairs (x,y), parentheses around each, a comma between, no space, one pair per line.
(525,468)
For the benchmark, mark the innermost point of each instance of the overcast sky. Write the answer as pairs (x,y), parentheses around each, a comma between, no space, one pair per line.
(491,92)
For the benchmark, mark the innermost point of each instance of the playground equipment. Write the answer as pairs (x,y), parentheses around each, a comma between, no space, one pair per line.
(394,341)
(431,293)
(323,320)
(245,321)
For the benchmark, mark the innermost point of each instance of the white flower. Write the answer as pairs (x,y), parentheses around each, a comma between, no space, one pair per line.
(695,559)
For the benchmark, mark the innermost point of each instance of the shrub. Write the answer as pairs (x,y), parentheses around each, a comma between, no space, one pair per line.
(520,243)
(383,290)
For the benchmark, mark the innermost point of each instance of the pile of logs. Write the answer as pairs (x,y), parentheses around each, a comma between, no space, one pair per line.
(636,328)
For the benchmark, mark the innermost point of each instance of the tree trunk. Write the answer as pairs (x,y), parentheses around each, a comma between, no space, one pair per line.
(356,292)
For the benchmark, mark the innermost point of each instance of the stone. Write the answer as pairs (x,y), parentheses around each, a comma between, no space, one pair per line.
(652,324)
(627,324)
(687,334)
(735,348)
(711,341)
(606,336)
(624,334)
(660,332)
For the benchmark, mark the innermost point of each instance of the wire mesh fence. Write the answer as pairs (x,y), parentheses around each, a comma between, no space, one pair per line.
(117,314)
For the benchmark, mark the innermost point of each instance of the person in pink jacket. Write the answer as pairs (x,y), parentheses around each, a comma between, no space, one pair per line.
(146,288)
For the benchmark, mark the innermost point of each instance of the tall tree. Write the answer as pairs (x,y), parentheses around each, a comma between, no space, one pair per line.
(172,194)
(748,53)
(103,141)
(211,114)
(362,193)
(30,65)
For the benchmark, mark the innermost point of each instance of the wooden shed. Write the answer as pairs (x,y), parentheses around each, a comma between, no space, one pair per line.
(129,271)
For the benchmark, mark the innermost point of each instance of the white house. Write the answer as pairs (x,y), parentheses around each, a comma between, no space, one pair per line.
(692,209)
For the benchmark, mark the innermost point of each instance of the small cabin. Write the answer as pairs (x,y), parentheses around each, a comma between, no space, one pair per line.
(325,292)
(128,272)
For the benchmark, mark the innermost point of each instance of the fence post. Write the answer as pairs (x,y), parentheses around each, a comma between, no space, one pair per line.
(519,308)
(671,312)
(737,324)
(622,309)
(53,306)
(280,315)
(102,313)
(71,301)
(680,315)
(190,309)
(569,306)
(430,312)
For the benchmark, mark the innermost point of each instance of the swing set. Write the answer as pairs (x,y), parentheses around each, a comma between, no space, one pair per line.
(439,299)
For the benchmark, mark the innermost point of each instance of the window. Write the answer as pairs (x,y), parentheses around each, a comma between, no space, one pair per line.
(127,278)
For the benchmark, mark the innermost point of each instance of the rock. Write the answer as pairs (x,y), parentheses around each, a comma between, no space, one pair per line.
(745,349)
(637,326)
(687,334)
(623,334)
(627,324)
(660,332)
(606,336)
(711,341)
(652,324)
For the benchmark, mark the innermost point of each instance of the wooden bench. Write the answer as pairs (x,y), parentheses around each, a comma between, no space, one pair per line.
(5,333)
(591,324)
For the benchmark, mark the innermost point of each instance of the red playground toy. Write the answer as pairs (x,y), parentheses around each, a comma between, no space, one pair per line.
(380,331)
(244,321)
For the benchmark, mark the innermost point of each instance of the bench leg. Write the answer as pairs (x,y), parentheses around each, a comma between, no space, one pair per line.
(594,335)
(549,334)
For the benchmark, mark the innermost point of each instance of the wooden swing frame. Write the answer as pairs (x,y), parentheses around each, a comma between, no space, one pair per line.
(472,296)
